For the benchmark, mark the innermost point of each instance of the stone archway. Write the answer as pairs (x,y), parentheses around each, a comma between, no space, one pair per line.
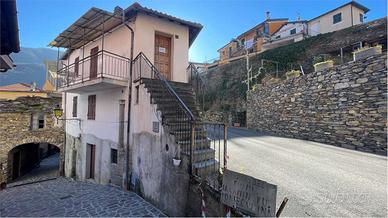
(11,140)
(31,162)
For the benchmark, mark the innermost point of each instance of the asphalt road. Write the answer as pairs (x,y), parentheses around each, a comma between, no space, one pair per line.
(318,179)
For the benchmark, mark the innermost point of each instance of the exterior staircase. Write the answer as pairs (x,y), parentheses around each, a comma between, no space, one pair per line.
(178,124)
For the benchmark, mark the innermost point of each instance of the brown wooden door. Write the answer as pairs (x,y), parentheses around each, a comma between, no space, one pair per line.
(163,55)
(93,62)
(92,159)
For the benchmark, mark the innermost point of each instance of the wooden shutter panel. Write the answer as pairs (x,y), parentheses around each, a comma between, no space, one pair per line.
(92,107)
(76,66)
(75,102)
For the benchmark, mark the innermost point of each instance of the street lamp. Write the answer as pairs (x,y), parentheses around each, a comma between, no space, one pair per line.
(58,113)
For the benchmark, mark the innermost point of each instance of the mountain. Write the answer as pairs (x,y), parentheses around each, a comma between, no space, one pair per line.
(29,66)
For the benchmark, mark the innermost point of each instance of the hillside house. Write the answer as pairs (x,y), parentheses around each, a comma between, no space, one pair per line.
(344,16)
(252,39)
(290,32)
(128,106)
(13,91)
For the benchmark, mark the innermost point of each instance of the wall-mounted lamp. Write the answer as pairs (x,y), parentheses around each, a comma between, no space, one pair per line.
(58,113)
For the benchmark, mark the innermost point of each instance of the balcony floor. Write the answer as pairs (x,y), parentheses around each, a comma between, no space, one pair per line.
(94,85)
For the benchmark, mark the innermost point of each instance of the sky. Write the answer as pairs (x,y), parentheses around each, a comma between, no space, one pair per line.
(40,21)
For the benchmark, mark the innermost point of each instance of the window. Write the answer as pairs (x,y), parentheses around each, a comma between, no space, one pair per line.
(75,102)
(91,107)
(36,121)
(337,18)
(76,67)
(293,31)
(230,52)
(137,95)
(361,18)
(113,156)
(40,121)
(277,37)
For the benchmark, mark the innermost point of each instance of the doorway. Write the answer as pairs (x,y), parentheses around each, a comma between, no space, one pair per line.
(93,62)
(91,158)
(162,59)
(16,165)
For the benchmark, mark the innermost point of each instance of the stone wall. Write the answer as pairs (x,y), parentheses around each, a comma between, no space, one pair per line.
(344,106)
(15,121)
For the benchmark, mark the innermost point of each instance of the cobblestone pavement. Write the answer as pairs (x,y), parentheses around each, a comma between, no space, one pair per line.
(67,198)
(48,169)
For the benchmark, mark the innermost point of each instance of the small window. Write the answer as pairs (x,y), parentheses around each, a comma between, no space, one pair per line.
(277,37)
(36,121)
(293,31)
(361,18)
(41,121)
(113,156)
(137,95)
(337,18)
(230,52)
(91,107)
(75,102)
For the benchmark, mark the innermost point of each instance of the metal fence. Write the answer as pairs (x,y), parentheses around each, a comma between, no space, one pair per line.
(102,64)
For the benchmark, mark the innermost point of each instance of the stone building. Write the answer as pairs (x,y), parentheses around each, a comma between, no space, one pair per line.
(28,132)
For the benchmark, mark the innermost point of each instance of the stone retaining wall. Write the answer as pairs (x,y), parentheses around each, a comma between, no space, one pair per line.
(344,106)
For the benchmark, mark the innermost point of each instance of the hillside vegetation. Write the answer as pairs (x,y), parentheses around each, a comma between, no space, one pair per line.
(226,91)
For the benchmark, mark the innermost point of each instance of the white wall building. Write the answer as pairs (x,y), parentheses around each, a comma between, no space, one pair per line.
(342,17)
(95,82)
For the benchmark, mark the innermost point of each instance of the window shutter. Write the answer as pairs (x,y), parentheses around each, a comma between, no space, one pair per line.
(75,102)
(92,107)
(76,66)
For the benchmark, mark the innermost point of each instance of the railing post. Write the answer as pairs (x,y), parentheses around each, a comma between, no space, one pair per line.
(225,144)
(192,144)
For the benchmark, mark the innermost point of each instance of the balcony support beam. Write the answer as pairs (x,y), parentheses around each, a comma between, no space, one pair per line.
(103,39)
(83,53)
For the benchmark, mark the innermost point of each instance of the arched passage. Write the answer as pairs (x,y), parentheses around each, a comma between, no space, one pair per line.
(32,162)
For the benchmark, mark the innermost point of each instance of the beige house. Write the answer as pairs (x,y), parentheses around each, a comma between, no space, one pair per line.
(14,91)
(128,104)
(342,17)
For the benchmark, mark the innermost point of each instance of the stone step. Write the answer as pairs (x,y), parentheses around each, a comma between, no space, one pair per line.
(206,168)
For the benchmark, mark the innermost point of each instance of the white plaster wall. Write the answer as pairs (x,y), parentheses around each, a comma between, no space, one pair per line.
(145,30)
(118,42)
(102,132)
(326,22)
(285,30)
(144,113)
(145,27)
(106,124)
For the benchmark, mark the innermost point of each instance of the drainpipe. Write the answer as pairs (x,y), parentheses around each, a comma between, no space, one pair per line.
(129,99)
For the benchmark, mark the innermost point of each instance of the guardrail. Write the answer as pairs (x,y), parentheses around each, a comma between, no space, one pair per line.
(100,65)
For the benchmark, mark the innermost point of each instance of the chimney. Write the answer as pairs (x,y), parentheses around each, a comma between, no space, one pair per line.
(118,11)
(33,86)
(298,16)
(267,15)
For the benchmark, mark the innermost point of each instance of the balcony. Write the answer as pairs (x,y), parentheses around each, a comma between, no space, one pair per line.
(99,71)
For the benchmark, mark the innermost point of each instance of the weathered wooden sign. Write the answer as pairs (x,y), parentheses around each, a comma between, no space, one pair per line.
(249,195)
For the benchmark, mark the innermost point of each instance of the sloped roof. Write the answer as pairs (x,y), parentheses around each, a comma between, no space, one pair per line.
(194,28)
(354,3)
(91,25)
(19,87)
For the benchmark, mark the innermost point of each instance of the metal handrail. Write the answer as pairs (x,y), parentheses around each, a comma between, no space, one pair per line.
(166,84)
(90,56)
